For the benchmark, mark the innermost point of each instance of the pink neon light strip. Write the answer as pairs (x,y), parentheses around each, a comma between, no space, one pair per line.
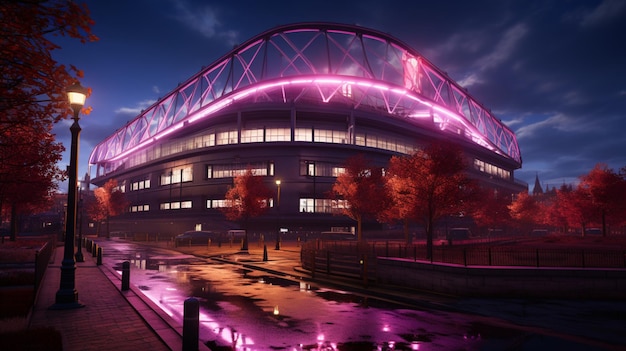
(221,104)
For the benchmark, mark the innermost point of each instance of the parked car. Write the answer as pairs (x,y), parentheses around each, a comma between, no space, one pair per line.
(594,231)
(195,237)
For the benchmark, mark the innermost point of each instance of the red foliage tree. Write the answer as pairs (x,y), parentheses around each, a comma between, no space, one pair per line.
(109,201)
(576,207)
(525,211)
(247,198)
(431,184)
(493,211)
(33,98)
(362,188)
(606,191)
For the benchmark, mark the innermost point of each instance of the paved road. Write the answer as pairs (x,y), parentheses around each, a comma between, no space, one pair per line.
(588,325)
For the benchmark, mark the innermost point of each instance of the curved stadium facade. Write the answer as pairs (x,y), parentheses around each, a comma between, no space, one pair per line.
(293,103)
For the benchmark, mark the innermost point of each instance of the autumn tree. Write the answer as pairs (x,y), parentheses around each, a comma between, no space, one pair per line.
(553,211)
(431,184)
(493,211)
(247,198)
(606,190)
(361,188)
(576,207)
(33,98)
(524,210)
(109,202)
(28,179)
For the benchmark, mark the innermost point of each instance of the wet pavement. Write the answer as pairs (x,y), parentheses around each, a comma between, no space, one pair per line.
(258,305)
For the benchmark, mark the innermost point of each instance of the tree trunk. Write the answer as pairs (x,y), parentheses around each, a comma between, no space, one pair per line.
(244,245)
(429,239)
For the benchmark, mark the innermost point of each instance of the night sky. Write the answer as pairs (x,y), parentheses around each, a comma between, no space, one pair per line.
(553,71)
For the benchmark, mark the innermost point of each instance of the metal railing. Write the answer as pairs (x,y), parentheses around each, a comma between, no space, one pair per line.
(42,258)
(515,256)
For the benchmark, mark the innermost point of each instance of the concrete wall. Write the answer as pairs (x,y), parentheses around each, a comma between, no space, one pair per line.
(523,282)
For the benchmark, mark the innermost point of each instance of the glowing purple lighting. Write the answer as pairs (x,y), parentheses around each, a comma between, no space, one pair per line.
(396,79)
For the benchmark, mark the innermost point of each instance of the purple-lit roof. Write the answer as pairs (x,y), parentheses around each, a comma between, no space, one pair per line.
(329,61)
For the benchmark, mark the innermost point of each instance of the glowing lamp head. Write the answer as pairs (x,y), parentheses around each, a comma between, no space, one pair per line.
(77,95)
(278,182)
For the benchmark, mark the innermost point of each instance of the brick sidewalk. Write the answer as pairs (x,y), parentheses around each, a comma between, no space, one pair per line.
(107,322)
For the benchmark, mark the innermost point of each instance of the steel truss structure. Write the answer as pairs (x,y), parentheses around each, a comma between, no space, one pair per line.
(332,63)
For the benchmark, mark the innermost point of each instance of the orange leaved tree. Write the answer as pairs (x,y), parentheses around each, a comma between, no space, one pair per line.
(606,190)
(109,202)
(33,98)
(247,198)
(360,191)
(429,185)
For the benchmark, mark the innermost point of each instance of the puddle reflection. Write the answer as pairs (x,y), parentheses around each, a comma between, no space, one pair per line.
(242,309)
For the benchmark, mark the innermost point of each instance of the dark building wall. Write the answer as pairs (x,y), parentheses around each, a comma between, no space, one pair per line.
(288,158)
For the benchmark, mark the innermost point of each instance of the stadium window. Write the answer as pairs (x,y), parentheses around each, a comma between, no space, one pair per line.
(252,136)
(176,205)
(360,139)
(216,203)
(277,134)
(177,176)
(337,171)
(225,138)
(303,134)
(140,185)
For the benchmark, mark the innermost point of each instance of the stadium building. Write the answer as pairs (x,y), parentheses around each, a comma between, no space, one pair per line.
(293,103)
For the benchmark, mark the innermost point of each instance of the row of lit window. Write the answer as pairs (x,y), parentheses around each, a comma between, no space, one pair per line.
(494,170)
(320,169)
(140,185)
(140,208)
(308,168)
(307,205)
(259,135)
(175,205)
(181,175)
(231,171)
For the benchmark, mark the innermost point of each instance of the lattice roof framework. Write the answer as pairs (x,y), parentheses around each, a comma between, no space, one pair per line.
(328,62)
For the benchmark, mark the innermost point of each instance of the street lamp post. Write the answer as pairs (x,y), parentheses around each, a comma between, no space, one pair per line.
(67,296)
(278,214)
(79,248)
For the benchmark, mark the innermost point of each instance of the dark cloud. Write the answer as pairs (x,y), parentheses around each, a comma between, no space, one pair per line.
(554,70)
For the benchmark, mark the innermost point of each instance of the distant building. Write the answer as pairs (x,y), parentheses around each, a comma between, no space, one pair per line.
(537,190)
(293,103)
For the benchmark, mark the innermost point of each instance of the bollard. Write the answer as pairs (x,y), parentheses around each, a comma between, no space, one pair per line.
(191,324)
(99,260)
(264,253)
(125,276)
(94,250)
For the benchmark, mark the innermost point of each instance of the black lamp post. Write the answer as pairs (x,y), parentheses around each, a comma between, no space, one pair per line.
(278,215)
(79,247)
(67,296)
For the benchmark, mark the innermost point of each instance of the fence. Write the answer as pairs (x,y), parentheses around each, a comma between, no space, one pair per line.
(42,258)
(519,256)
